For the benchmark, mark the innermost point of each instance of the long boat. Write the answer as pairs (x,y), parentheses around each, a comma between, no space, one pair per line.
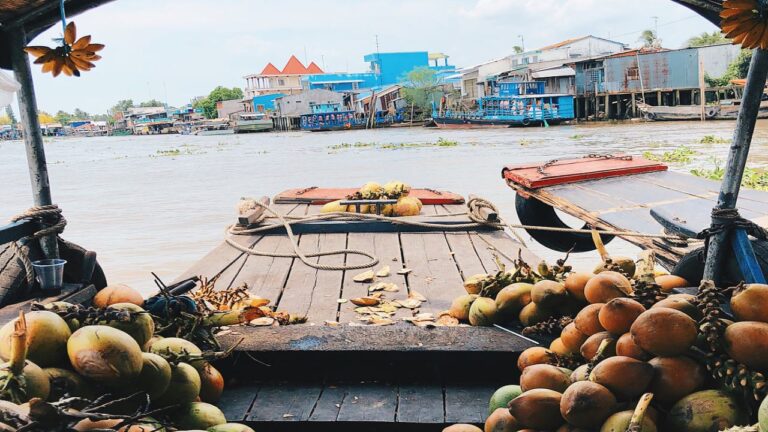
(725,110)
(516,104)
(252,122)
(332,117)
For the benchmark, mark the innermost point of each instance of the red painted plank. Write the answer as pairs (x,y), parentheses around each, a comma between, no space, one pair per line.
(557,172)
(323,195)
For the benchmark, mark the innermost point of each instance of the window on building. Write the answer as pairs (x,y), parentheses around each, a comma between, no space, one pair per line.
(298,101)
(633,73)
(281,82)
(525,60)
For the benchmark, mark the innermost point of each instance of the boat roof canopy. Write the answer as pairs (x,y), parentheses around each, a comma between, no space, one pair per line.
(34,16)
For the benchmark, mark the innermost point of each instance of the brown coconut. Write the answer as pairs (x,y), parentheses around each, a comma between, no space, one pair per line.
(581,373)
(461,427)
(500,421)
(575,283)
(664,332)
(670,282)
(625,377)
(533,314)
(587,404)
(461,305)
(627,347)
(681,304)
(211,384)
(533,356)
(572,338)
(512,299)
(676,377)
(618,315)
(558,347)
(750,303)
(545,376)
(537,409)
(549,294)
(587,321)
(117,293)
(607,286)
(747,342)
(589,348)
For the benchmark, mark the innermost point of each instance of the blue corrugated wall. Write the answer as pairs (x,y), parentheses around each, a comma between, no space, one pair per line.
(664,70)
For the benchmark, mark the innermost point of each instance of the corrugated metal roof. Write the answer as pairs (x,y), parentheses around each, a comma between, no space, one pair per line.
(555,72)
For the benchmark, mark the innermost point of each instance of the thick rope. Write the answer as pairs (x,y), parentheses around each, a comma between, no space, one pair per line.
(473,212)
(724,220)
(47,214)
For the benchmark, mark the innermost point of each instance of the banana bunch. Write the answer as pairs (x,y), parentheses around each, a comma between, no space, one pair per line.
(73,56)
(745,22)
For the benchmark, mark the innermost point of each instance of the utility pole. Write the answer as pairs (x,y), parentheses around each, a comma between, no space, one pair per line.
(655,26)
(522,42)
(378,59)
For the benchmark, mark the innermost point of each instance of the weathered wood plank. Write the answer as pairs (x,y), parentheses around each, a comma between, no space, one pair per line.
(401,337)
(385,246)
(329,403)
(236,401)
(467,403)
(462,248)
(370,403)
(279,402)
(421,404)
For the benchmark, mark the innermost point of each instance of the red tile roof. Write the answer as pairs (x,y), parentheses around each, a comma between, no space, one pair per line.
(314,69)
(270,69)
(294,67)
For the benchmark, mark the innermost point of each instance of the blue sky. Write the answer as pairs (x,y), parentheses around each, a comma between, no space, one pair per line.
(173,50)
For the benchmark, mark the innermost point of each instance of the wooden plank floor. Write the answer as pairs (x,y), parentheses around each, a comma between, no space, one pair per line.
(369,402)
(624,203)
(438,262)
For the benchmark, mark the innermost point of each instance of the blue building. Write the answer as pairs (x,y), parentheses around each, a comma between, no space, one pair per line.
(385,69)
(265,102)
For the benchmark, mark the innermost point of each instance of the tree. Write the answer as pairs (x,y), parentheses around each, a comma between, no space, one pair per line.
(738,69)
(80,115)
(706,39)
(45,118)
(208,104)
(10,115)
(152,103)
(518,49)
(63,117)
(650,39)
(421,87)
(4,120)
(121,106)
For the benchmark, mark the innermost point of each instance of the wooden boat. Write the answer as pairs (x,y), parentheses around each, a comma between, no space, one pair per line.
(212,127)
(333,373)
(252,122)
(725,110)
(516,104)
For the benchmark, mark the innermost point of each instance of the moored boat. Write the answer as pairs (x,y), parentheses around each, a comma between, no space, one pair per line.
(252,122)
(333,117)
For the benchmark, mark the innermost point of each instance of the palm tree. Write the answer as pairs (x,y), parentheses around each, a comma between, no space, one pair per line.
(706,39)
(649,39)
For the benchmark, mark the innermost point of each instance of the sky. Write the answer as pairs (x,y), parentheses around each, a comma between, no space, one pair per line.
(174,50)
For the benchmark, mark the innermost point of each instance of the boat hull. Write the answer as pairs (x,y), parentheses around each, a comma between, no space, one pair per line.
(464,123)
(249,126)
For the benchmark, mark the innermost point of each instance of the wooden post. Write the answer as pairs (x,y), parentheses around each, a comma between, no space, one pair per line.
(607,106)
(412,115)
(677,97)
(702,87)
(634,104)
(658,98)
(33,138)
(737,156)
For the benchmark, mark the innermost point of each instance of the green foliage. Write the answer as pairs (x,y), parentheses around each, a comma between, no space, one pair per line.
(208,104)
(151,103)
(441,142)
(80,115)
(711,139)
(121,106)
(753,178)
(421,87)
(706,39)
(63,117)
(649,39)
(681,154)
(10,115)
(738,69)
(517,49)
(577,136)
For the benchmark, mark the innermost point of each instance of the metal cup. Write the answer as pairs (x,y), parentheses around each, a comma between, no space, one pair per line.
(50,274)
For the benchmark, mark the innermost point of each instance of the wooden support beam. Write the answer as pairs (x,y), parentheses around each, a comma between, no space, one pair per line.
(33,138)
(607,106)
(634,104)
(737,157)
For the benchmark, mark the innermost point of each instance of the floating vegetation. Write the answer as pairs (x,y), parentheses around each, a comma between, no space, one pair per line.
(753,178)
(441,142)
(711,139)
(177,152)
(525,142)
(577,136)
(681,154)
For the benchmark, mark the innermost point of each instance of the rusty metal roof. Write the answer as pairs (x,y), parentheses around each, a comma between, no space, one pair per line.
(34,16)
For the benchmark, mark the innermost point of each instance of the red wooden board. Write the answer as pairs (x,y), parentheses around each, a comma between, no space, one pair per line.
(325,195)
(543,174)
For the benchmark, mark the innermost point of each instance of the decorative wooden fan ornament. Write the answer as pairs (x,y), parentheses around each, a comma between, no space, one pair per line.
(745,22)
(71,57)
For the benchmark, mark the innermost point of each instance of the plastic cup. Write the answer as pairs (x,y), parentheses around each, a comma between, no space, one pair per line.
(50,274)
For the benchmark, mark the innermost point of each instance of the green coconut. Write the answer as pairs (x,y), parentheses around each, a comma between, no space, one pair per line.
(512,299)
(461,305)
(141,327)
(619,422)
(155,376)
(706,411)
(172,346)
(230,427)
(65,382)
(47,335)
(73,323)
(184,386)
(104,354)
(198,415)
(482,312)
(549,294)
(762,415)
(502,397)
(36,384)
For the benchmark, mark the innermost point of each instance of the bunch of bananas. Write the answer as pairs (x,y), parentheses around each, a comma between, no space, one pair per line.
(745,21)
(74,55)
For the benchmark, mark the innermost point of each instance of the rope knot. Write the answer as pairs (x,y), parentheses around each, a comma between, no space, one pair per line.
(53,222)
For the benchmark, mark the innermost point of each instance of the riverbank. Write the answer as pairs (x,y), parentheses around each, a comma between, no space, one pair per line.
(158,203)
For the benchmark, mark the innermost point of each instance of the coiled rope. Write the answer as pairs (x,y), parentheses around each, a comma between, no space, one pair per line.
(52,216)
(474,207)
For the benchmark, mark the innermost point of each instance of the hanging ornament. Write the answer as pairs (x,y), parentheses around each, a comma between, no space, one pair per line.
(745,21)
(71,57)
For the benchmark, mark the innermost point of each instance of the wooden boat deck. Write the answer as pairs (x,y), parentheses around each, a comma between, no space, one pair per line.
(625,203)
